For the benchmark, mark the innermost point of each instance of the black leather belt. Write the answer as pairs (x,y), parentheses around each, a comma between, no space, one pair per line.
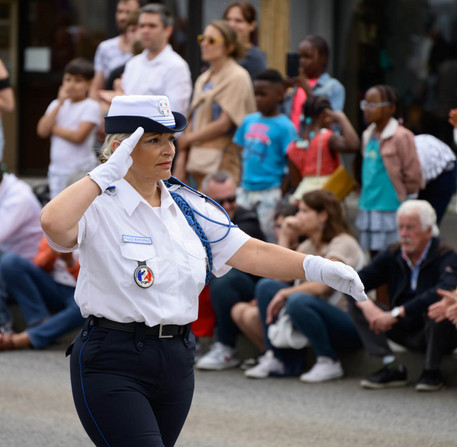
(161,330)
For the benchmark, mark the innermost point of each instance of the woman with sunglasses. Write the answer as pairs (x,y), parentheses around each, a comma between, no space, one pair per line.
(390,169)
(223,95)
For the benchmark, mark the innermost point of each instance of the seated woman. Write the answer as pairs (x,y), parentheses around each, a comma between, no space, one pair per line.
(327,326)
(315,155)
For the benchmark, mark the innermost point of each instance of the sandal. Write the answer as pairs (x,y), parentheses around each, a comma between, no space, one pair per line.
(9,342)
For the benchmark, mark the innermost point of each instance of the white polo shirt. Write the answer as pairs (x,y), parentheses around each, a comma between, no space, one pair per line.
(167,74)
(66,156)
(20,229)
(120,230)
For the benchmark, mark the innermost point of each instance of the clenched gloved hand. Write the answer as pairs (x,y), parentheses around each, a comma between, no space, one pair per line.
(118,164)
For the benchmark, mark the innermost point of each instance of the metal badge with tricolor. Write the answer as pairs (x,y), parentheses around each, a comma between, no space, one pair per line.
(164,108)
(143,275)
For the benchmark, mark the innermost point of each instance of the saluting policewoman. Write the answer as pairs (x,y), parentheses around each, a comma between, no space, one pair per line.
(147,247)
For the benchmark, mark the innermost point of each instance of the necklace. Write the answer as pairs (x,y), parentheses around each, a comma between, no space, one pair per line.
(303,143)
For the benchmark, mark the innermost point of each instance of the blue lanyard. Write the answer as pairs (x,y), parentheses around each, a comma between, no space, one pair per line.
(189,214)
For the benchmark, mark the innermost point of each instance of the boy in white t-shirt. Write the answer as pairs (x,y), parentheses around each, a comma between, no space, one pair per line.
(71,121)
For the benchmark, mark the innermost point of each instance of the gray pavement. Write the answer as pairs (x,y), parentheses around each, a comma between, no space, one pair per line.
(228,410)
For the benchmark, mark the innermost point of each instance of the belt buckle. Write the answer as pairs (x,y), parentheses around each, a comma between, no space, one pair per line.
(161,334)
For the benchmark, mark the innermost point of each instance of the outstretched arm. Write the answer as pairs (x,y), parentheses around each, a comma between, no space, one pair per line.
(269,260)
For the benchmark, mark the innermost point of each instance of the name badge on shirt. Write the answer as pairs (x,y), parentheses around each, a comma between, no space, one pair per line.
(136,239)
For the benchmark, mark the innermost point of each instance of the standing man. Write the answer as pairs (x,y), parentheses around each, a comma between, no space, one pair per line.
(114,52)
(158,70)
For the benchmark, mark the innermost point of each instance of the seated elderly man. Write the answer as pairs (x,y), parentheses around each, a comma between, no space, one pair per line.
(413,269)
(233,287)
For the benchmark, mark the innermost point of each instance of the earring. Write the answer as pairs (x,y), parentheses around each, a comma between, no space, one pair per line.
(308,120)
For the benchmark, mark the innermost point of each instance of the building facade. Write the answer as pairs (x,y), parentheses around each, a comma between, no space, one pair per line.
(410,44)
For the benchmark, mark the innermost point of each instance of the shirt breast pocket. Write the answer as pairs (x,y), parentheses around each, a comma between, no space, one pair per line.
(133,254)
(196,257)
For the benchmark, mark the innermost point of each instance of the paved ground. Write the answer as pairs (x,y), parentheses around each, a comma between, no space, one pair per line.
(229,410)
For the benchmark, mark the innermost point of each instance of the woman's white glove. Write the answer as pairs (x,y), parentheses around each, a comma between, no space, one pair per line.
(118,163)
(335,274)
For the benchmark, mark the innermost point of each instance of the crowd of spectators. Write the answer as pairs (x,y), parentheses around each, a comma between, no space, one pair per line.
(265,148)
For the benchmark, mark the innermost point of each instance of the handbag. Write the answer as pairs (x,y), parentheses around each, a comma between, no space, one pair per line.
(204,160)
(282,334)
(340,183)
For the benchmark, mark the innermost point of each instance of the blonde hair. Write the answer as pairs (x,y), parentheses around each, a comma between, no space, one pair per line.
(107,148)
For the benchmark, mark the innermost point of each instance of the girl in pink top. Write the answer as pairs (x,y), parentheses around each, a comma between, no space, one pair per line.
(315,155)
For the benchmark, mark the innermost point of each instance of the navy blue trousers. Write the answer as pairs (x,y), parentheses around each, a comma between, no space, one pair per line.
(132,389)
(439,192)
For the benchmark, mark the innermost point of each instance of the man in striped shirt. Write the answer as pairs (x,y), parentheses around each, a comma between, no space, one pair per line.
(114,52)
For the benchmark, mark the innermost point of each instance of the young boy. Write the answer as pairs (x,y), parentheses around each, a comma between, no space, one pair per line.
(264,137)
(71,121)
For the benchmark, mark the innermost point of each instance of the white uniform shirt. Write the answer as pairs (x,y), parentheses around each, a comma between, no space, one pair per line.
(20,229)
(109,56)
(167,74)
(68,157)
(120,229)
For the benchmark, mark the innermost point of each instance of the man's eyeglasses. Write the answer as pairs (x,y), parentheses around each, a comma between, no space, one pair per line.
(229,199)
(208,39)
(364,104)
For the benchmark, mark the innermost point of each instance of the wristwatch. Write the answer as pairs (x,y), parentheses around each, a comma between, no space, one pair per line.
(395,312)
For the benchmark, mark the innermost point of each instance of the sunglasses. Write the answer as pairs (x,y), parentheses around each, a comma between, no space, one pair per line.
(364,104)
(208,39)
(229,199)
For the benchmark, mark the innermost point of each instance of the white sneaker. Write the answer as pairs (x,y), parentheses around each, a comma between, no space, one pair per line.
(218,358)
(268,365)
(324,369)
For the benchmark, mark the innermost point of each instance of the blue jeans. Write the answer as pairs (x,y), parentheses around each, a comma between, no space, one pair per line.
(226,291)
(264,203)
(327,327)
(5,314)
(48,307)
(439,192)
